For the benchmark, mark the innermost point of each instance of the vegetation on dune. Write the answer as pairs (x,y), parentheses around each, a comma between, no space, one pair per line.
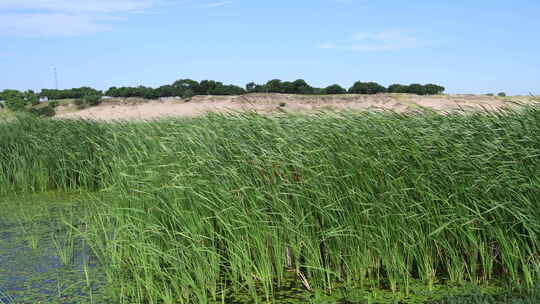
(202,209)
(210,87)
(17,101)
(70,93)
(187,88)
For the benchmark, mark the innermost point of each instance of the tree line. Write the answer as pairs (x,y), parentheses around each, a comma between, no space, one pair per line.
(187,88)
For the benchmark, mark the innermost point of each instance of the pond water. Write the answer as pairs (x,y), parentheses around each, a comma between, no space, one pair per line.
(42,261)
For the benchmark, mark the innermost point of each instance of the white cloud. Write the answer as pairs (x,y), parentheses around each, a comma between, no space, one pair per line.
(78,6)
(218,4)
(378,41)
(54,24)
(65,17)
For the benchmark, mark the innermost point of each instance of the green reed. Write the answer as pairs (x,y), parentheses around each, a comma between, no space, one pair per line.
(191,209)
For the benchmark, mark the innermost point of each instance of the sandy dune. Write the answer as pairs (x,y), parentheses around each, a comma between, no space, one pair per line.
(134,108)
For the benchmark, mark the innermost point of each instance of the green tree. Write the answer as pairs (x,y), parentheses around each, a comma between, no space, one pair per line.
(433,89)
(187,84)
(31,97)
(250,87)
(302,87)
(274,86)
(366,88)
(398,88)
(335,89)
(188,94)
(14,100)
(416,88)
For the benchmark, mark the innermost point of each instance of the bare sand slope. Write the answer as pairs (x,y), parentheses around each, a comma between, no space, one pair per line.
(134,108)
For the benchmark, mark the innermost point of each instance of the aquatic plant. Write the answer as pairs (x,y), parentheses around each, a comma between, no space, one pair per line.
(198,210)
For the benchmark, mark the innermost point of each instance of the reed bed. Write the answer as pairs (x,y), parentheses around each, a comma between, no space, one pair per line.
(194,210)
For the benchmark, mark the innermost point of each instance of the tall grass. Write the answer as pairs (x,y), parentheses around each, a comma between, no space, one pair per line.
(194,208)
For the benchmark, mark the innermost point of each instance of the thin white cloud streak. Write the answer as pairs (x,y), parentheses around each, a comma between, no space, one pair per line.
(54,24)
(45,18)
(78,6)
(377,41)
(217,4)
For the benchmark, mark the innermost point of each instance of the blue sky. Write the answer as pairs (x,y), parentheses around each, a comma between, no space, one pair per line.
(468,46)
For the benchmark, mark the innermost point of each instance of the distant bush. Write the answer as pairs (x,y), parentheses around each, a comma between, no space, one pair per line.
(367,88)
(433,89)
(501,94)
(335,89)
(188,94)
(398,88)
(92,100)
(47,111)
(53,103)
(87,101)
(416,88)
(69,93)
(490,94)
(188,88)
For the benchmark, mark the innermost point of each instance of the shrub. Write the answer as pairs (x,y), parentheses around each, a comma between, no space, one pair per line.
(398,88)
(188,94)
(79,103)
(47,111)
(335,89)
(502,94)
(92,100)
(490,94)
(15,104)
(53,103)
(417,89)
(367,88)
(433,89)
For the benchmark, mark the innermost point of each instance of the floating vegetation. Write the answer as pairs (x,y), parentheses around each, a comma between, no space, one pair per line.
(39,274)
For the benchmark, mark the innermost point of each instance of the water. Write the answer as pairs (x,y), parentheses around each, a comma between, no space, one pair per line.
(39,274)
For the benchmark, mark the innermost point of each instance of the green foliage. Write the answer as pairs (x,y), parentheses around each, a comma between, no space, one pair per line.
(69,93)
(418,89)
(490,94)
(251,87)
(31,98)
(275,86)
(187,94)
(182,87)
(14,100)
(88,101)
(47,111)
(531,297)
(139,91)
(92,100)
(366,88)
(398,88)
(433,89)
(366,201)
(335,89)
(187,87)
(501,94)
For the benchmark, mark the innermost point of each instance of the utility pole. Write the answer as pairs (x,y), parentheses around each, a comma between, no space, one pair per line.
(55,78)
